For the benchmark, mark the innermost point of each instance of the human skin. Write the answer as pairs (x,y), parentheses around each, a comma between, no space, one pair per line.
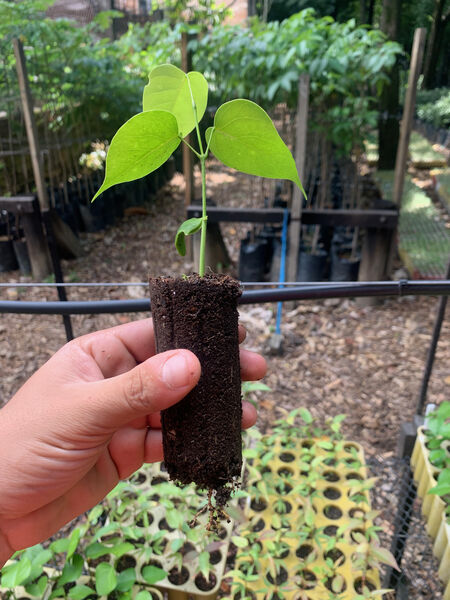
(86,419)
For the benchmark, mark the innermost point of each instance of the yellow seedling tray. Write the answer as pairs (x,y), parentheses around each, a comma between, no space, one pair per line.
(188,589)
(425,476)
(333,508)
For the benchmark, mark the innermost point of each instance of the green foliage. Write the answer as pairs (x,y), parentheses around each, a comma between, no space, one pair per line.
(437,435)
(140,146)
(170,89)
(347,65)
(189,227)
(433,106)
(244,138)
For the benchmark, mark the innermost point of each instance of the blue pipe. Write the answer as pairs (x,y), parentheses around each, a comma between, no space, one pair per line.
(282,277)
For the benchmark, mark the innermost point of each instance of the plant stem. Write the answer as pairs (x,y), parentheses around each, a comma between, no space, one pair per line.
(201,260)
(202,156)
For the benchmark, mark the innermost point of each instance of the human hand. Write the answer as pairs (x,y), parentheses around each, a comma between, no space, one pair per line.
(86,419)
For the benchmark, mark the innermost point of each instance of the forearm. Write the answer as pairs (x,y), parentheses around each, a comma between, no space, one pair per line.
(5,550)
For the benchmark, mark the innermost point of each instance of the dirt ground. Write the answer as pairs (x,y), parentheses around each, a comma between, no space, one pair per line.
(338,357)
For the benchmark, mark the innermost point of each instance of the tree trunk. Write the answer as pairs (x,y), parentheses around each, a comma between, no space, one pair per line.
(434,45)
(388,124)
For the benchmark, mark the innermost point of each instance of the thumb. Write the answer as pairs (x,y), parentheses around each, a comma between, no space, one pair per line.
(154,385)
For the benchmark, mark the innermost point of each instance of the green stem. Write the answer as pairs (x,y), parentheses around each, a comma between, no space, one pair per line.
(201,261)
(191,148)
(202,156)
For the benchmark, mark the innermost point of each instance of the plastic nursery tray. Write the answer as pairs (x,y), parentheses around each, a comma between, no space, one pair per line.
(149,477)
(330,512)
(433,507)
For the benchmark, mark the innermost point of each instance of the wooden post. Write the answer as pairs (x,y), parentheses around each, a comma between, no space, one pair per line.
(408,114)
(38,250)
(374,260)
(297,197)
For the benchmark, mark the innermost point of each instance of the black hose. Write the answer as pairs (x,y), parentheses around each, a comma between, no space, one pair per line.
(307,292)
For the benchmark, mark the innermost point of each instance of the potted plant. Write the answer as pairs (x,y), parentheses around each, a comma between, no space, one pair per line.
(202,433)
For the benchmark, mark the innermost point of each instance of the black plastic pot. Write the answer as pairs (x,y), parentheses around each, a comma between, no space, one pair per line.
(312,267)
(253,259)
(343,267)
(22,256)
(97,210)
(8,261)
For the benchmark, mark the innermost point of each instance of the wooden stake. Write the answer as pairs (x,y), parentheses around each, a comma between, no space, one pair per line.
(297,197)
(38,250)
(30,124)
(408,114)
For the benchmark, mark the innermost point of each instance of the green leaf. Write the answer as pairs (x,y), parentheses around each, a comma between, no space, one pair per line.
(306,416)
(80,592)
(240,542)
(153,574)
(96,549)
(16,573)
(143,595)
(383,556)
(122,548)
(60,545)
(176,544)
(139,147)
(73,542)
(126,580)
(38,588)
(72,569)
(203,563)
(169,88)
(244,138)
(105,579)
(187,228)
(95,513)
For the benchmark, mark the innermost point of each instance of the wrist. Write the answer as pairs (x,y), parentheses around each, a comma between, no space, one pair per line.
(5,549)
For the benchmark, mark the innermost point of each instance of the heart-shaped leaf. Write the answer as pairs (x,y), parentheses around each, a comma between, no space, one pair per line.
(139,147)
(187,228)
(244,138)
(169,88)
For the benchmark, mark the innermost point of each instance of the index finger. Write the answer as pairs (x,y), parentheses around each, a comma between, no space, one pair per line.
(119,349)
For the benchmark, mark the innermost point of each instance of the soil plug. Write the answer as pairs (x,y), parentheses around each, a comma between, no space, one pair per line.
(201,434)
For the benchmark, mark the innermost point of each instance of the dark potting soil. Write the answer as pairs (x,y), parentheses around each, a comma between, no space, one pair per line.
(177,577)
(215,557)
(280,577)
(202,433)
(125,562)
(204,584)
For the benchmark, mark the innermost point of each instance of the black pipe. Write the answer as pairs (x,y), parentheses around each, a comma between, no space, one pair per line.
(309,292)
(432,350)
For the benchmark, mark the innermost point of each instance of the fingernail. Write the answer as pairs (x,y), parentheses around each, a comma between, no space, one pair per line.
(176,372)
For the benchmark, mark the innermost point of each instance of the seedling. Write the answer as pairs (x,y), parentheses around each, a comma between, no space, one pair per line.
(243,137)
